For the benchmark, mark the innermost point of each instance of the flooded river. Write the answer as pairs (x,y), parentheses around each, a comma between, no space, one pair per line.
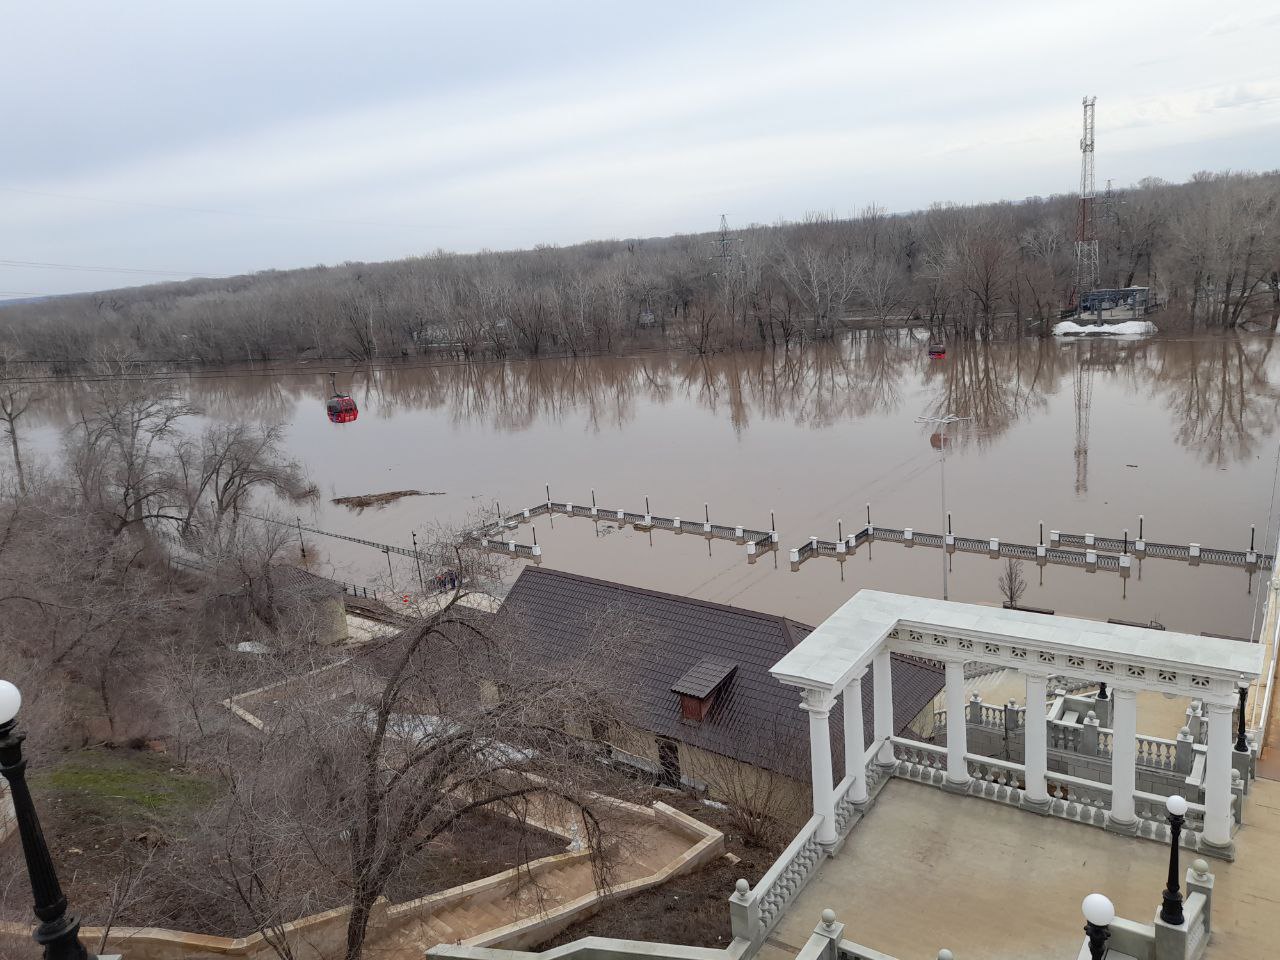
(1082,435)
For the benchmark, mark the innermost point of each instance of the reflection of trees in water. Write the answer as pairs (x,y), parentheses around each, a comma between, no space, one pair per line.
(1220,392)
(266,398)
(1219,389)
(994,384)
(816,386)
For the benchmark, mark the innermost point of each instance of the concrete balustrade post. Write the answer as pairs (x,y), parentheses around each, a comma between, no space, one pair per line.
(1089,739)
(975,708)
(855,763)
(1218,816)
(826,935)
(817,703)
(1200,880)
(1242,763)
(1036,744)
(882,702)
(957,733)
(744,913)
(1124,758)
(1102,708)
(1184,752)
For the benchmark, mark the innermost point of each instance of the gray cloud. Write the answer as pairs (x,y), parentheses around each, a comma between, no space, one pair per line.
(221,137)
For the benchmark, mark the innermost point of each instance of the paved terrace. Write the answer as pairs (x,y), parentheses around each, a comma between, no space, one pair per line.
(925,870)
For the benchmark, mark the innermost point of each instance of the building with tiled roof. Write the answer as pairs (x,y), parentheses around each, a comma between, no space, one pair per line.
(699,681)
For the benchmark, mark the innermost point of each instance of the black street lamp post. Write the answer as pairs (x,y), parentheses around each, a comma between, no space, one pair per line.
(1171,903)
(1242,745)
(59,931)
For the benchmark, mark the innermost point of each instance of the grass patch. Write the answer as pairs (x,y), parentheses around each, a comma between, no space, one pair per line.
(126,782)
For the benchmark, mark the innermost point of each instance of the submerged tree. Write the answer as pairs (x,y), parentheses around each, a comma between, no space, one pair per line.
(1012,583)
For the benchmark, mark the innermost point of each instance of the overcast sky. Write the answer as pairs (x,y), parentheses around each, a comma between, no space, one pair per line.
(160,138)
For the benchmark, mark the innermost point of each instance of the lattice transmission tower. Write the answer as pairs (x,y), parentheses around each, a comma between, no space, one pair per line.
(1086,229)
(727,251)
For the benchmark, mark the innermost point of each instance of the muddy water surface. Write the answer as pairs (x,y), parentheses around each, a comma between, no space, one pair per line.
(1083,436)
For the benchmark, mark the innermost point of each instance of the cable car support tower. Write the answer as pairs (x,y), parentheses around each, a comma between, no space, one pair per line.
(1086,229)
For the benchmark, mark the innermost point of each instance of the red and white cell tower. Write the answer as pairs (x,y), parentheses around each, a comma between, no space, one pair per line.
(1086,230)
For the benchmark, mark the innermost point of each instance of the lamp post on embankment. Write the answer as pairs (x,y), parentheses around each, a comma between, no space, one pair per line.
(59,931)
(944,422)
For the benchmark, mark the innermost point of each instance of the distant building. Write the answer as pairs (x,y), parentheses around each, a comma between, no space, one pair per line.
(1136,300)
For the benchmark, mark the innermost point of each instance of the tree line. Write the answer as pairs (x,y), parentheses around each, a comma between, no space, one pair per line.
(1209,248)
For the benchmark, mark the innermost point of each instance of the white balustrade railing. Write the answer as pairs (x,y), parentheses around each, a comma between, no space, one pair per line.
(1151,807)
(786,878)
(1064,736)
(1157,752)
(1197,926)
(846,806)
(916,753)
(1077,798)
(992,717)
(1002,773)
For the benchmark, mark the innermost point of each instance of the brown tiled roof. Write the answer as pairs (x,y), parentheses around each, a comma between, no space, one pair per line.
(703,678)
(303,582)
(754,718)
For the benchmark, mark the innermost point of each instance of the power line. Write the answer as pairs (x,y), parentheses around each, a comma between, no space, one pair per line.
(45,265)
(231,213)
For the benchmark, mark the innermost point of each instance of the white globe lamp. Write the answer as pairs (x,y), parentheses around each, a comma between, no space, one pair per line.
(10,701)
(1098,910)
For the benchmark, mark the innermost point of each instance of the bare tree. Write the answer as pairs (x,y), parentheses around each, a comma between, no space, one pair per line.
(15,399)
(119,452)
(1012,583)
(442,720)
(763,805)
(227,465)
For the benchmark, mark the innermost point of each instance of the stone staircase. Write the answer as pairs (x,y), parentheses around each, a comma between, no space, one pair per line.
(522,907)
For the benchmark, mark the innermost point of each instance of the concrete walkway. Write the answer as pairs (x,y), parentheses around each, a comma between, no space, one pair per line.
(926,870)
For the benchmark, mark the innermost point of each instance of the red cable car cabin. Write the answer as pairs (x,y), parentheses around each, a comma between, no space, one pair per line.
(340,407)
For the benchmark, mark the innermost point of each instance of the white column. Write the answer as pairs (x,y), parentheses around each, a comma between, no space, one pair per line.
(957,725)
(1217,776)
(1124,758)
(882,701)
(855,763)
(1035,740)
(817,703)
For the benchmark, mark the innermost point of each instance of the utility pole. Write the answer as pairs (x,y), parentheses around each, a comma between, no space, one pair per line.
(418,559)
(1086,229)
(943,423)
(1082,394)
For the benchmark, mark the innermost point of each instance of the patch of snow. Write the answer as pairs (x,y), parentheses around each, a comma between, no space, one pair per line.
(251,646)
(715,804)
(1129,328)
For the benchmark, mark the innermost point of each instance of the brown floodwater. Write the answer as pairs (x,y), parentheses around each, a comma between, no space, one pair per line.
(1084,435)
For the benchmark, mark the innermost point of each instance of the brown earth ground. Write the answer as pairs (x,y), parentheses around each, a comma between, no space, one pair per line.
(103,809)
